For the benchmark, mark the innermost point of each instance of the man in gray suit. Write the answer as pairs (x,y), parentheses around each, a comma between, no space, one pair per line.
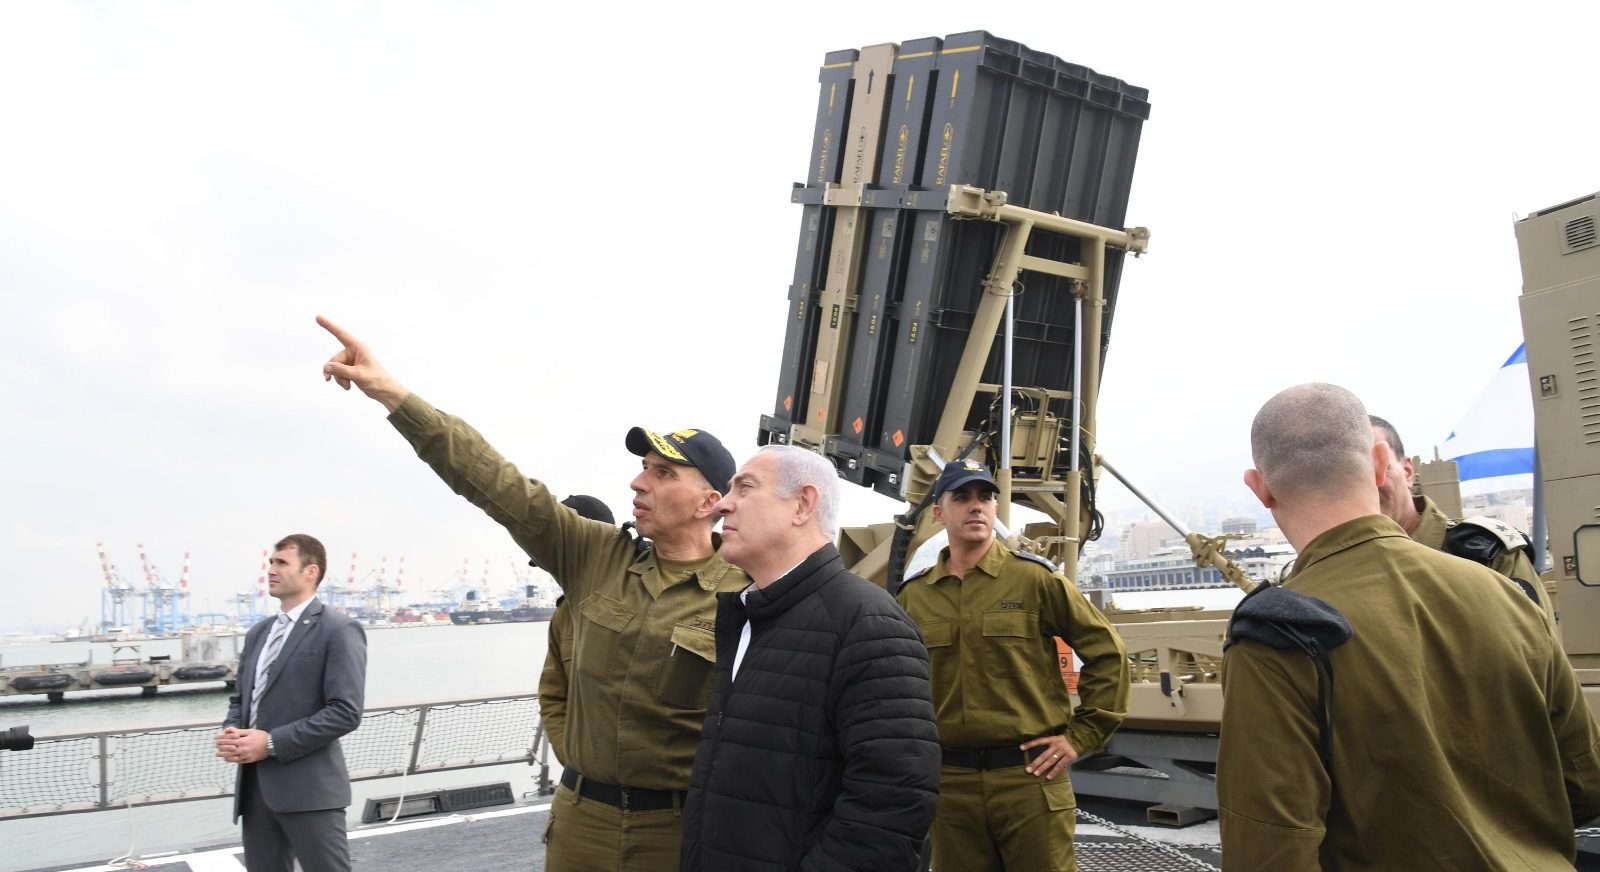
(301,684)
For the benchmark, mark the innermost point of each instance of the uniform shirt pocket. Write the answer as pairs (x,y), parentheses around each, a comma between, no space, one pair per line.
(937,634)
(686,675)
(1011,624)
(604,619)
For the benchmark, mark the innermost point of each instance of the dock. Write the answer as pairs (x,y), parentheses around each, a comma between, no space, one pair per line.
(56,680)
(203,660)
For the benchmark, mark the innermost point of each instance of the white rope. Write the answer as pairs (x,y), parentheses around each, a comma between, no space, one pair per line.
(129,860)
(405,773)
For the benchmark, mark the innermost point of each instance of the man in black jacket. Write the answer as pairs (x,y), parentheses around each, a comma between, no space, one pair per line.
(819,750)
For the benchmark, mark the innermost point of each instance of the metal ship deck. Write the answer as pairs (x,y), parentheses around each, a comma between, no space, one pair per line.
(508,839)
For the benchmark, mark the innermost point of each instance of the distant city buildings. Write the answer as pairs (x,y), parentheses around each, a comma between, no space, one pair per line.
(1150,555)
(1239,526)
(1141,539)
(1145,554)
(1514,507)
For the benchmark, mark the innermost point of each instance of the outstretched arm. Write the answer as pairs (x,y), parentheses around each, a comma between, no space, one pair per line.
(355,364)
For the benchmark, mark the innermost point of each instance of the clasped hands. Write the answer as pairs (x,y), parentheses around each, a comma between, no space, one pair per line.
(241,746)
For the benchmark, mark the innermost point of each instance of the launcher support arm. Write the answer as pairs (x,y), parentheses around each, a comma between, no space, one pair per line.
(1207,550)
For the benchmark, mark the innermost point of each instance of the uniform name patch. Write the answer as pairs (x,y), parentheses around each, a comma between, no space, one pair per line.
(1011,604)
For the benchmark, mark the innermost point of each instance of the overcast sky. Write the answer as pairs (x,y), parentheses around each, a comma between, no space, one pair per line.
(561,224)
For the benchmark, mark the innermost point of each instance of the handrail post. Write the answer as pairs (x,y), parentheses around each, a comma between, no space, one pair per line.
(416,740)
(541,750)
(105,772)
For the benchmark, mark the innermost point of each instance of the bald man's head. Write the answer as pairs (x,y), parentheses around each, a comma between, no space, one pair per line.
(1313,441)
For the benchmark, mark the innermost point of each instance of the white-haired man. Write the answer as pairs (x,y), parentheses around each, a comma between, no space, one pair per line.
(819,749)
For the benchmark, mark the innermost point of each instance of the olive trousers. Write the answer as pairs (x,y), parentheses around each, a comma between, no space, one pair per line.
(586,835)
(1003,820)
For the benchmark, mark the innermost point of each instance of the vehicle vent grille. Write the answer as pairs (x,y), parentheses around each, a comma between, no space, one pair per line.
(1582,338)
(1580,233)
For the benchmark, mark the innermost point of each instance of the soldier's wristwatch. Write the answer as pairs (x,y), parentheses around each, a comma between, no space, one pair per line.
(271,751)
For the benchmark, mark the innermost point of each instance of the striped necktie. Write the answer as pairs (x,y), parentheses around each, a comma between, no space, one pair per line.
(280,631)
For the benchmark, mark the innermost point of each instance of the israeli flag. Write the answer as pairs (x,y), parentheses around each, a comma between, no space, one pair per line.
(1493,444)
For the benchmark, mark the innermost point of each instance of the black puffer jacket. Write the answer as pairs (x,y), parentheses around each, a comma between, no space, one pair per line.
(823,754)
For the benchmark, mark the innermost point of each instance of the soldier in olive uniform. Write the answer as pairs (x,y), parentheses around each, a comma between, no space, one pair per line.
(643,640)
(1390,707)
(1482,540)
(557,673)
(1006,723)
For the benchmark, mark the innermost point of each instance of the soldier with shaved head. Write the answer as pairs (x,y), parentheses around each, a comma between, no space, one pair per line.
(1390,704)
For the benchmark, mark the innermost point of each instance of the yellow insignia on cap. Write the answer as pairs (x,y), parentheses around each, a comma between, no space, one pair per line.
(973,465)
(667,449)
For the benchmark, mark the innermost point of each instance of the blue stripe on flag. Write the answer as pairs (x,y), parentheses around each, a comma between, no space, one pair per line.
(1518,356)
(1495,461)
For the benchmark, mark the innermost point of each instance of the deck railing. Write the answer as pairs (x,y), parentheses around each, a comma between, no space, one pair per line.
(84,772)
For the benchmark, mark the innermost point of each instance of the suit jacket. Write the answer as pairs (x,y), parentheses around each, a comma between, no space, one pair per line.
(314,695)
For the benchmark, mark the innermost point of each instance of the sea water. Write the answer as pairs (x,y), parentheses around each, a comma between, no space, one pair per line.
(404,665)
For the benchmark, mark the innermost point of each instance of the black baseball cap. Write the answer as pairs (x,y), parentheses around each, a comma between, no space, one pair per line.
(695,448)
(959,472)
(589,507)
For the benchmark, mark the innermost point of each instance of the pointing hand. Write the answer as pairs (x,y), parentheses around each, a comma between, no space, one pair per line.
(355,364)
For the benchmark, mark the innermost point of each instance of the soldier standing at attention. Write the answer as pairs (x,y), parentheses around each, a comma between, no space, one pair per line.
(1007,726)
(643,637)
(1389,707)
(1481,540)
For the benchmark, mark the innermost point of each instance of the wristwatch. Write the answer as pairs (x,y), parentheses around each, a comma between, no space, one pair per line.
(271,751)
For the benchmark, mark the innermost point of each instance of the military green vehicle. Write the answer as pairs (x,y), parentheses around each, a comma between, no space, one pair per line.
(962,238)
(1560,302)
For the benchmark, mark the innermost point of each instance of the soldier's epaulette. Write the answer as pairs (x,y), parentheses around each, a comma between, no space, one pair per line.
(918,574)
(907,579)
(1036,558)
(1481,539)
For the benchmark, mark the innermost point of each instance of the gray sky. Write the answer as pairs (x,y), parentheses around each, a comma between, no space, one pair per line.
(559,225)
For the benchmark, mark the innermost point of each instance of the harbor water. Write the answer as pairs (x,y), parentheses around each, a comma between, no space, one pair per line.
(404,665)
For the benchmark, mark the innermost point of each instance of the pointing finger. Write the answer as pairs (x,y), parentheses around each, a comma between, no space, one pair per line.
(338,332)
